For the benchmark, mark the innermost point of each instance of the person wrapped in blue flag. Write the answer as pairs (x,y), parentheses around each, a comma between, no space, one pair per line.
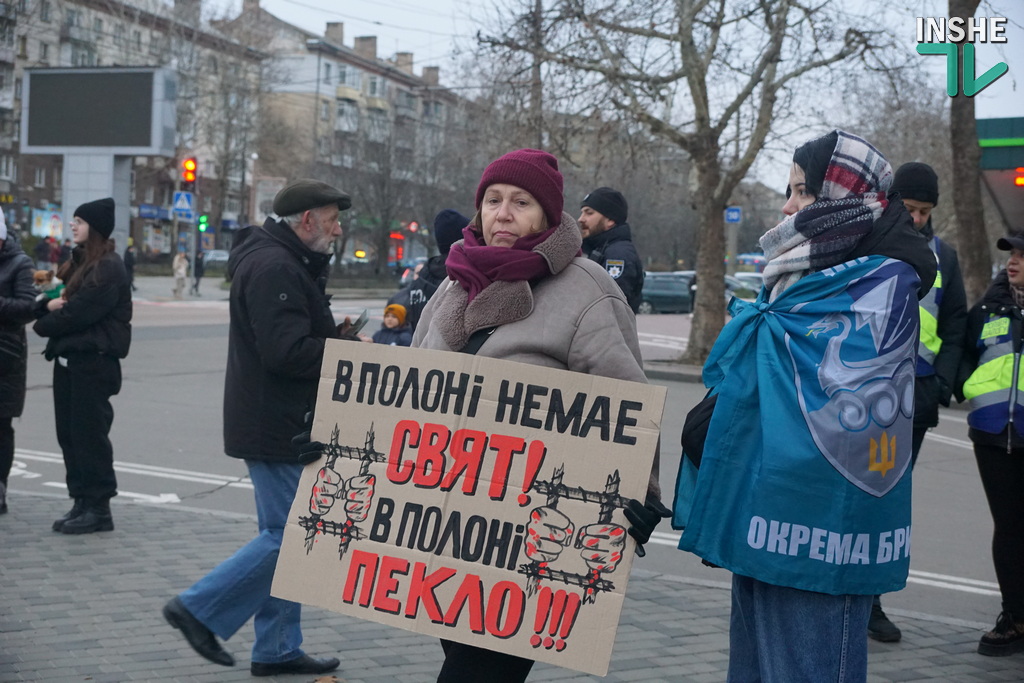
(803,489)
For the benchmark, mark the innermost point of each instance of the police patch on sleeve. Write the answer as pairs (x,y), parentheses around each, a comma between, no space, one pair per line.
(615,268)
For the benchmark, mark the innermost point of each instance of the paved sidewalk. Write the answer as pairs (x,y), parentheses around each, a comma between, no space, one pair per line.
(87,608)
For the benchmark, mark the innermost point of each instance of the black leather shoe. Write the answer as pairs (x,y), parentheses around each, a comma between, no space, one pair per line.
(91,520)
(300,665)
(75,510)
(198,636)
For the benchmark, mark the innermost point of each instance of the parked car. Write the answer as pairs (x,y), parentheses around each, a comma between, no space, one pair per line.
(741,289)
(752,280)
(215,260)
(667,292)
(675,292)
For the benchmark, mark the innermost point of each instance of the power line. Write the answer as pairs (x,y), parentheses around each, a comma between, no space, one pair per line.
(376,22)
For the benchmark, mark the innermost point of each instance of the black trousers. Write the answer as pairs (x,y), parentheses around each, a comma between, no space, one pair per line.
(1002,475)
(470,664)
(6,448)
(81,403)
(918,439)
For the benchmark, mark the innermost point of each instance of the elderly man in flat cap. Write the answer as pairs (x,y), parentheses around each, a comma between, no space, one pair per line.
(280,319)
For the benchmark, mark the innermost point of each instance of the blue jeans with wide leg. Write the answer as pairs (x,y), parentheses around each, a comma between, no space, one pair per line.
(786,635)
(239,587)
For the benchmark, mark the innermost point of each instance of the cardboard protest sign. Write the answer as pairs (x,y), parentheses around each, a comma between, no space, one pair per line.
(472,499)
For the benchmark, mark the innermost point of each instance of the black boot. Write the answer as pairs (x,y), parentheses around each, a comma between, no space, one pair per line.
(95,517)
(880,627)
(75,510)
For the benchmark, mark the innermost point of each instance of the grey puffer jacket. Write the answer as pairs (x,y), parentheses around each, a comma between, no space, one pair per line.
(17,297)
(576,319)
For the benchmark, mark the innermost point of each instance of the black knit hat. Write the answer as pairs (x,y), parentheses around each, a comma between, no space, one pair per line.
(916,181)
(99,215)
(448,227)
(305,195)
(609,203)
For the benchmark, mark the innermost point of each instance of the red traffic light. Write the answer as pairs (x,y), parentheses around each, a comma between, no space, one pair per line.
(188,172)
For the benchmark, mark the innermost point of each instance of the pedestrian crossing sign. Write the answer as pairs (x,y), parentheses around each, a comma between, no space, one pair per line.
(183,202)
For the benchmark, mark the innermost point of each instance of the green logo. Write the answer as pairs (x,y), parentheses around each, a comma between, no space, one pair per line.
(972,85)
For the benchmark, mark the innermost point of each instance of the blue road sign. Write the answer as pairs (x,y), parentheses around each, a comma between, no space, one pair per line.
(733,214)
(183,203)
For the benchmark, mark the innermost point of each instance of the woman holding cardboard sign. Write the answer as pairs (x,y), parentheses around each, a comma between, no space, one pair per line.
(518,289)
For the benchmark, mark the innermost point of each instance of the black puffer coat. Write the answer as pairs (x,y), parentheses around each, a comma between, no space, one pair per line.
(96,318)
(280,319)
(17,297)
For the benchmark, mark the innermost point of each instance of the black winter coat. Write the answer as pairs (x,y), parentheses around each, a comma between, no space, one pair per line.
(417,293)
(17,298)
(613,249)
(280,319)
(894,235)
(96,318)
(933,390)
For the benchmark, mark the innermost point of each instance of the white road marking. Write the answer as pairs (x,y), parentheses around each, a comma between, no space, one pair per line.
(662,341)
(157,499)
(149,470)
(950,441)
(955,583)
(670,539)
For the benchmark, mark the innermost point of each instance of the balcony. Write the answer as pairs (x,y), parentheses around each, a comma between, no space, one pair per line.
(406,111)
(75,34)
(7,55)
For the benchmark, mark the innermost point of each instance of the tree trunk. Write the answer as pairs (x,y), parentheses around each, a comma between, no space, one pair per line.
(709,310)
(975,259)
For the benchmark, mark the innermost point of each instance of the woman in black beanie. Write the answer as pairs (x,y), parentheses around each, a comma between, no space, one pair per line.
(88,331)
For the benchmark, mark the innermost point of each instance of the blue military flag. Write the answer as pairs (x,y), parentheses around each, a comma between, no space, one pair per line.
(802,481)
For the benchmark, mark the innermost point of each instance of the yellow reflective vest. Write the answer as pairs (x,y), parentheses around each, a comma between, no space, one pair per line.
(993,389)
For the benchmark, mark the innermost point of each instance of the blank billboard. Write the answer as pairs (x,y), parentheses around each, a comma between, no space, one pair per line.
(123,110)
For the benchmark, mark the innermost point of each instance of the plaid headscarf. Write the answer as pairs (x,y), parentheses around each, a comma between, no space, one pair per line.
(821,235)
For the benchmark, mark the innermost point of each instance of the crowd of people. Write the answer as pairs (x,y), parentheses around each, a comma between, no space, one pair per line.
(860,333)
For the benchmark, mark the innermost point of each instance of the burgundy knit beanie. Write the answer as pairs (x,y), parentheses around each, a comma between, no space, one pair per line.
(532,170)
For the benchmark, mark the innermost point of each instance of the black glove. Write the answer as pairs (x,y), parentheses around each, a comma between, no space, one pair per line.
(643,519)
(309,450)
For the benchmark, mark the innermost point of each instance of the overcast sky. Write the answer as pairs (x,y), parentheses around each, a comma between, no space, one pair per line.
(440,32)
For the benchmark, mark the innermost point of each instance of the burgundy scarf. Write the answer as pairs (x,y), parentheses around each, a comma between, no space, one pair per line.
(474,265)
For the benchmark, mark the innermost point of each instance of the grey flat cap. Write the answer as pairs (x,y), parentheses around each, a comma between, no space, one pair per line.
(305,194)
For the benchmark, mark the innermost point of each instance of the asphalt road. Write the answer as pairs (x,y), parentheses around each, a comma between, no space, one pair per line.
(168,447)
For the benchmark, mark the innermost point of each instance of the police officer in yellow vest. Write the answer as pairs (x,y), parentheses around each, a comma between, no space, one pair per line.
(943,325)
(992,365)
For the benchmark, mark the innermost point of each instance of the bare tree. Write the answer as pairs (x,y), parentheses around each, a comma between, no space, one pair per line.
(709,76)
(975,258)
(379,181)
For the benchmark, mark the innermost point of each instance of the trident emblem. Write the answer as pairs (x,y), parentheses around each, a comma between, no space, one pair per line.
(882,458)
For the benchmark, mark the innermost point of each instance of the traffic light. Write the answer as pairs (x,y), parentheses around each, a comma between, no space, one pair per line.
(204,222)
(188,170)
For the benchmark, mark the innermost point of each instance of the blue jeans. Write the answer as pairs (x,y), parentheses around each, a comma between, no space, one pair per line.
(239,587)
(787,635)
